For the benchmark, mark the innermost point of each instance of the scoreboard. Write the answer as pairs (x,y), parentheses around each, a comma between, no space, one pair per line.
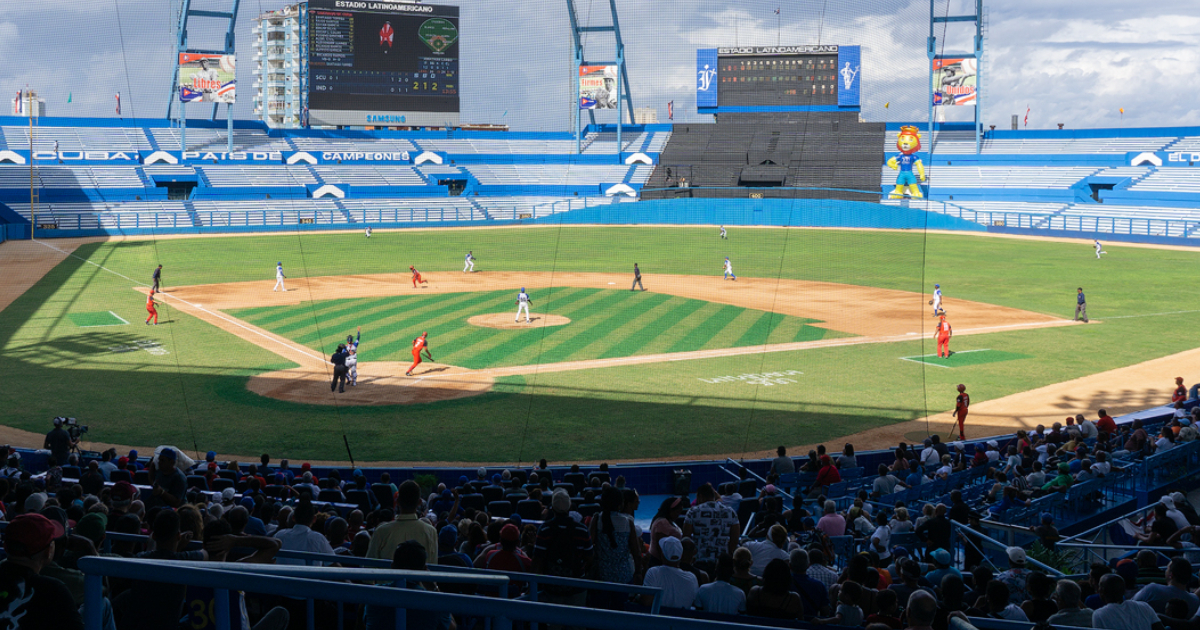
(374,62)
(778,78)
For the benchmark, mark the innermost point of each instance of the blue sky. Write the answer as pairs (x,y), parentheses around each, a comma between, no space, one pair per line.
(1070,61)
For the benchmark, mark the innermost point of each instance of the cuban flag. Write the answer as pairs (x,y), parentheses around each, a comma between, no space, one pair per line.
(670,110)
(17,103)
(386,34)
(189,95)
(118,103)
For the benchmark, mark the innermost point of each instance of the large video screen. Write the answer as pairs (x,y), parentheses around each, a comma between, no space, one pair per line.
(382,63)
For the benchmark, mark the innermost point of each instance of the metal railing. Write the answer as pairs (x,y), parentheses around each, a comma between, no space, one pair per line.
(322,584)
(1130,226)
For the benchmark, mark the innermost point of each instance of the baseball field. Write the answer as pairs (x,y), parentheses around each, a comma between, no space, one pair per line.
(825,333)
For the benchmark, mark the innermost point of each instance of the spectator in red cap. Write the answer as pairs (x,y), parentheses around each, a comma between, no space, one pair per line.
(507,557)
(31,600)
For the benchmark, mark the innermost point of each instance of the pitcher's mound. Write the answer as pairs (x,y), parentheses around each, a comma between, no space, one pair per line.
(505,320)
(379,383)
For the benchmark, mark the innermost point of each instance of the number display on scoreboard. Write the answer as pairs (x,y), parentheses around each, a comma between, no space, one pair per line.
(376,62)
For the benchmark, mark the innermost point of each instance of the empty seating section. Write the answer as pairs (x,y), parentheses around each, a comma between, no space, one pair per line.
(1124,171)
(963,142)
(1048,177)
(72,177)
(369,175)
(167,170)
(792,154)
(216,140)
(1186,143)
(78,138)
(257,176)
(504,208)
(352,145)
(1170,180)
(547,174)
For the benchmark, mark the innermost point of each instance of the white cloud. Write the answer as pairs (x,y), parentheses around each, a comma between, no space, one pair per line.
(1074,61)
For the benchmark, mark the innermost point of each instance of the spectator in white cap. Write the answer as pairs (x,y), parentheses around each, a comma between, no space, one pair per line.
(1185,506)
(1180,520)
(679,587)
(1016,576)
(35,502)
(227,496)
(993,451)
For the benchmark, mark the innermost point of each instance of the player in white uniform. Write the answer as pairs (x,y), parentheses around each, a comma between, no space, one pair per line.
(368,231)
(279,277)
(352,360)
(1099,250)
(729,270)
(937,300)
(523,303)
(723,235)
(470,266)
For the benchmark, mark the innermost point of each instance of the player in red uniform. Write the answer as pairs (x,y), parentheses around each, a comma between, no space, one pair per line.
(961,403)
(416,276)
(943,338)
(150,309)
(419,344)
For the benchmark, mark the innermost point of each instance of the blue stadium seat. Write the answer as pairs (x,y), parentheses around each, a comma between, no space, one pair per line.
(197,481)
(530,509)
(473,502)
(220,484)
(119,475)
(384,495)
(500,509)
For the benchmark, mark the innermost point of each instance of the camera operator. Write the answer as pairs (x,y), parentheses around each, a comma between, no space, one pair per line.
(59,442)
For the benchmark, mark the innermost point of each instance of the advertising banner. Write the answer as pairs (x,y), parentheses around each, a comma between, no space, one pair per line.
(954,81)
(597,87)
(706,77)
(849,77)
(207,78)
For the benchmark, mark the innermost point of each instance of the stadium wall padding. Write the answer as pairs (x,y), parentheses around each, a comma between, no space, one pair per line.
(775,212)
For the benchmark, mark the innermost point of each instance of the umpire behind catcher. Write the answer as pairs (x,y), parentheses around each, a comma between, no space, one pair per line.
(339,369)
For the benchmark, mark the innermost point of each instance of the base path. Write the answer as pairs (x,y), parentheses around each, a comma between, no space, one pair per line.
(874,315)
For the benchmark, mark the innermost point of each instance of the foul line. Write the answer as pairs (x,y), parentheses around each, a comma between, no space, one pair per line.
(236,322)
(1152,314)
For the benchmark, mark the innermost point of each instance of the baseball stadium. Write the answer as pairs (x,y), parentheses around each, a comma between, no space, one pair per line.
(656,317)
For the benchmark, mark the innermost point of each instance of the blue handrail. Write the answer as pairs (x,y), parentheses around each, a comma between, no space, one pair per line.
(531,578)
(221,579)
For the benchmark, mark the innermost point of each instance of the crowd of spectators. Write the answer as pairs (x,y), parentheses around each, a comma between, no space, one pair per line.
(698,551)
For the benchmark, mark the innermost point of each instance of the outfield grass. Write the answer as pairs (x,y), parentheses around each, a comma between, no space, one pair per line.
(194,395)
(605,323)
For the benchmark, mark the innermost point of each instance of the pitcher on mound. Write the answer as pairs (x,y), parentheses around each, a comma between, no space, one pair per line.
(523,303)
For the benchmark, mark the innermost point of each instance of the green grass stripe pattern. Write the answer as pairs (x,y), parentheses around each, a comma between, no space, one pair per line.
(970,357)
(605,323)
(95,319)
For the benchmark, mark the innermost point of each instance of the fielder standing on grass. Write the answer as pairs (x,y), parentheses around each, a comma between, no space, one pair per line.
(419,344)
(936,302)
(153,312)
(1099,250)
(157,276)
(723,234)
(729,270)
(1080,306)
(943,338)
(637,278)
(523,303)
(470,266)
(962,404)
